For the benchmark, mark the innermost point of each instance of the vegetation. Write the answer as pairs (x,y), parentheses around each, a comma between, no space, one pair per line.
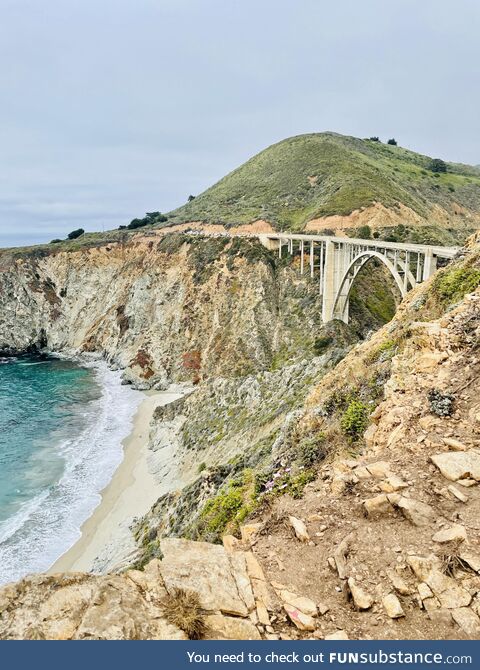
(229,508)
(453,283)
(75,233)
(355,419)
(437,165)
(148,220)
(393,142)
(182,609)
(323,174)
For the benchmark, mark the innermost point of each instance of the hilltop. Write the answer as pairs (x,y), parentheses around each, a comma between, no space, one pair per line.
(325,181)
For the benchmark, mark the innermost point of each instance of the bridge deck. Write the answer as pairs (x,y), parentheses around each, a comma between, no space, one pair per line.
(441,252)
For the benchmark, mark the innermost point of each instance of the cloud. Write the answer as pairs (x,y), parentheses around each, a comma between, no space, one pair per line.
(112,109)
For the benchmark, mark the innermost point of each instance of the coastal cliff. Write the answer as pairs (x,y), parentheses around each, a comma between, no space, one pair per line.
(342,476)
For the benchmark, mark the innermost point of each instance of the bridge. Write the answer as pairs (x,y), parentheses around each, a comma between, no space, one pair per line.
(336,261)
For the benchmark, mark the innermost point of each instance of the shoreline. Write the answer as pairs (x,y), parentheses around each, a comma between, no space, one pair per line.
(131,492)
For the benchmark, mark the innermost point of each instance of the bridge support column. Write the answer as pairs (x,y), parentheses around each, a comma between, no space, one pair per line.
(329,277)
(429,264)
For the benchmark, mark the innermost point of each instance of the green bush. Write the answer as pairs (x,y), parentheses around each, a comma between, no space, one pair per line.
(355,419)
(75,233)
(393,142)
(437,165)
(364,232)
(452,285)
(311,449)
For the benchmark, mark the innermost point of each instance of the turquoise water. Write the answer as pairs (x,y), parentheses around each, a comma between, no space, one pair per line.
(61,428)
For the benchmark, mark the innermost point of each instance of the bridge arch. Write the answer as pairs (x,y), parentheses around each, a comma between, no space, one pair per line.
(340,304)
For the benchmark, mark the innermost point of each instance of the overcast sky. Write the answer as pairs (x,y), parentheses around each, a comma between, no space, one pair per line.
(110,108)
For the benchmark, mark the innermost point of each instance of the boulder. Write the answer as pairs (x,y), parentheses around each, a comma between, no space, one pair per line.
(301,603)
(458,465)
(218,578)
(468,621)
(455,533)
(392,606)
(299,619)
(398,583)
(220,627)
(453,444)
(361,599)
(449,593)
(379,470)
(417,512)
(300,528)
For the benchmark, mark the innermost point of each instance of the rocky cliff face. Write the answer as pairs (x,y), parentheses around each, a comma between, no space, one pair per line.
(351,478)
(165,309)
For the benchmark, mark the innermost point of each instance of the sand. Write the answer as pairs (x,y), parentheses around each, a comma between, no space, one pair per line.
(106,539)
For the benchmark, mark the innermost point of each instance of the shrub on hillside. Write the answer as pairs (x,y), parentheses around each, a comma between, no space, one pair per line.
(393,142)
(75,233)
(364,232)
(437,165)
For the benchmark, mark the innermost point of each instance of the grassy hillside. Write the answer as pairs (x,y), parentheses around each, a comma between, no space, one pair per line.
(317,175)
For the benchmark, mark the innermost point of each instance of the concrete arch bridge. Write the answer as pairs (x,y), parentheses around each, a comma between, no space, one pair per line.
(336,261)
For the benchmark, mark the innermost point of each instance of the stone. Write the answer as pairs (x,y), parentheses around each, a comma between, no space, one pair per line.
(341,553)
(361,599)
(417,512)
(455,533)
(467,483)
(467,620)
(249,531)
(398,583)
(454,444)
(472,559)
(262,613)
(218,578)
(424,591)
(458,465)
(392,606)
(449,593)
(379,470)
(322,608)
(392,484)
(337,635)
(220,627)
(301,603)
(254,568)
(458,494)
(377,506)
(300,529)
(299,619)
(262,591)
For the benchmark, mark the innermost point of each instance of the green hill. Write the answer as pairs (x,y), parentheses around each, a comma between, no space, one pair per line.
(313,176)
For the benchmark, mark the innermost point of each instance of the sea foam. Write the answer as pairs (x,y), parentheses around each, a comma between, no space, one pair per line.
(47,525)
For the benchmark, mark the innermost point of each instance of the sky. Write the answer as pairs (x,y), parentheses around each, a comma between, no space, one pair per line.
(111,108)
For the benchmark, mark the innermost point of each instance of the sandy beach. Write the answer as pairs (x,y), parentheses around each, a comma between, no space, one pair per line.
(131,492)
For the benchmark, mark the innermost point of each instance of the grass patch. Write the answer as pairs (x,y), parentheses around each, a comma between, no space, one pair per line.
(453,284)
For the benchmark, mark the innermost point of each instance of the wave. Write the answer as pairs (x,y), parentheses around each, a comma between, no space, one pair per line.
(46,526)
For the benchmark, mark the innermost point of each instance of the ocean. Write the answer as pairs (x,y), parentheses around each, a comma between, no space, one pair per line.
(62,424)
